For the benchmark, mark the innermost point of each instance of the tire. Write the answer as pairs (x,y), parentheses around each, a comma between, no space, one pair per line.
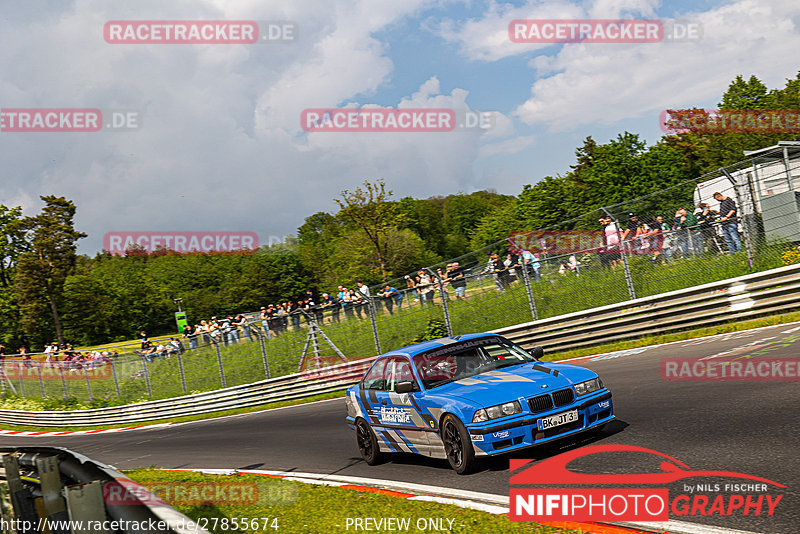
(457,445)
(368,443)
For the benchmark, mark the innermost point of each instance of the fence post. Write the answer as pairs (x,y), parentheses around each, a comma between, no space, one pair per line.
(262,342)
(88,385)
(114,374)
(219,363)
(21,381)
(41,382)
(748,242)
(63,382)
(147,379)
(371,311)
(527,280)
(627,269)
(180,368)
(445,308)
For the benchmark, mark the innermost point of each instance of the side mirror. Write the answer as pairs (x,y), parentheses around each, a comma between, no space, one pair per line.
(404,387)
(537,352)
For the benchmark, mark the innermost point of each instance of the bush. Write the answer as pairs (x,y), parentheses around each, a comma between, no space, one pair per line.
(434,329)
(791,256)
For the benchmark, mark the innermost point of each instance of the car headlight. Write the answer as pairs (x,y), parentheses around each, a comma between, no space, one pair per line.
(590,386)
(494,412)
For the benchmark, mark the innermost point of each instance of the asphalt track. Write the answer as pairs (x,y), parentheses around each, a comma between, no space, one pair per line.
(746,427)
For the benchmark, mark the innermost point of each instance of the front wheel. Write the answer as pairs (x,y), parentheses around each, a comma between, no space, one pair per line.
(367,443)
(457,445)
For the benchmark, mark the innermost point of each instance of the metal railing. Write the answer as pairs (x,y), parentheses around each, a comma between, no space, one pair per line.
(52,489)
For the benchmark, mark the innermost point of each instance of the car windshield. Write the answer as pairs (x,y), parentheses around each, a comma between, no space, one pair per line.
(451,363)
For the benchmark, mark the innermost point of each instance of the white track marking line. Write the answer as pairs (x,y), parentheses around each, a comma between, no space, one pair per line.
(486,502)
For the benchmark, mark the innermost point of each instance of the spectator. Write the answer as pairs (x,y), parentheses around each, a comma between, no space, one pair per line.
(611,242)
(293,311)
(509,270)
(364,289)
(241,322)
(265,320)
(190,334)
(705,221)
(659,240)
(392,297)
(495,267)
(630,233)
(682,223)
(332,303)
(531,264)
(641,242)
(426,288)
(411,286)
(574,264)
(729,221)
(458,281)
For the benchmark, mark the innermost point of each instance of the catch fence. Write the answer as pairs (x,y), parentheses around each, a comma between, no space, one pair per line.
(595,259)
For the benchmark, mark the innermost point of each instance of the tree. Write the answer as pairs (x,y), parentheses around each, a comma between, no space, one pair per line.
(369,210)
(12,242)
(42,270)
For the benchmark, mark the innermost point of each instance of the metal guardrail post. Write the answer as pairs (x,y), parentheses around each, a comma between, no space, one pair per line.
(114,375)
(219,363)
(371,311)
(180,368)
(55,508)
(527,281)
(147,378)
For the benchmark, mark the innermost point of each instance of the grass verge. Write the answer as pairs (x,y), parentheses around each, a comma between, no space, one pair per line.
(293,507)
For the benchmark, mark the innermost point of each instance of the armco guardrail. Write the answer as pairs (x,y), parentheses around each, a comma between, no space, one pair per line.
(53,489)
(767,292)
(285,388)
(745,297)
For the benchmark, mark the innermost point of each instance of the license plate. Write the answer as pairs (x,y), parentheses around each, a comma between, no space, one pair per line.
(557,420)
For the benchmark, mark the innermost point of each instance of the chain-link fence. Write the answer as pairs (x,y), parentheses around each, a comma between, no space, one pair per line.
(672,239)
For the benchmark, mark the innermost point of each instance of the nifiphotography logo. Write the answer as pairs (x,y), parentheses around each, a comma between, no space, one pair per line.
(633,497)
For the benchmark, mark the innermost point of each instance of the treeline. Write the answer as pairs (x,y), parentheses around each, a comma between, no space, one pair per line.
(48,292)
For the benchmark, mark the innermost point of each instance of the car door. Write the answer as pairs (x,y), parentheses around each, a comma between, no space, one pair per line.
(400,422)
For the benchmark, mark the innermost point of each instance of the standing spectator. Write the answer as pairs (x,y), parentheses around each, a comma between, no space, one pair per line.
(347,304)
(392,296)
(611,241)
(531,264)
(658,238)
(412,287)
(188,333)
(705,221)
(293,311)
(458,281)
(642,239)
(630,233)
(242,322)
(510,270)
(729,220)
(265,320)
(574,264)
(684,224)
(494,266)
(426,288)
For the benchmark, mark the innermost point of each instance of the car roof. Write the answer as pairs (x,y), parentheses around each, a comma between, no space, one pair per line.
(425,346)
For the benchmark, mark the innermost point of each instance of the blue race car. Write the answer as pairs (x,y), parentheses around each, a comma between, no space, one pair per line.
(467,396)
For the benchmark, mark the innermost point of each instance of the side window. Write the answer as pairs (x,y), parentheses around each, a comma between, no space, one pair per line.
(374,378)
(398,370)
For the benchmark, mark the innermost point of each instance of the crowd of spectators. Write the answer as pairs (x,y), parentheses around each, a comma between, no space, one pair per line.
(690,233)
(59,357)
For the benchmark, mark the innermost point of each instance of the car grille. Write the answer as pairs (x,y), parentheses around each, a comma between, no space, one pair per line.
(540,403)
(563,397)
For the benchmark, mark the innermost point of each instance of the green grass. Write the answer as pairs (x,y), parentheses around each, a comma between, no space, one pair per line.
(304,508)
(484,309)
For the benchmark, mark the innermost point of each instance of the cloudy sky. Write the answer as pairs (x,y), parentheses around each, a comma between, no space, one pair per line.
(220,144)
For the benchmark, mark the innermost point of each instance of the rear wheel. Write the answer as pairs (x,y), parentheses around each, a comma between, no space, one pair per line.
(367,443)
(457,445)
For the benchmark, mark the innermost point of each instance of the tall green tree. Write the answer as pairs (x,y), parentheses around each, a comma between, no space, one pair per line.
(42,270)
(369,210)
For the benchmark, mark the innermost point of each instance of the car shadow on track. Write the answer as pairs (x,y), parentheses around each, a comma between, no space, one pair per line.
(500,463)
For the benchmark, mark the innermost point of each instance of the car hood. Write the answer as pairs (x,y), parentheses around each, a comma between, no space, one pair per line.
(511,383)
